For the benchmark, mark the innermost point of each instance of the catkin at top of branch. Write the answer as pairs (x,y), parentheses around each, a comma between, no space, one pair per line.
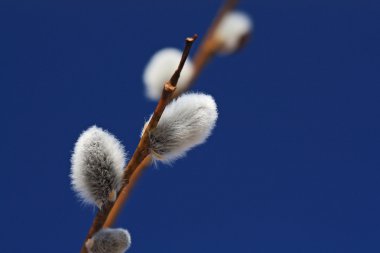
(232,30)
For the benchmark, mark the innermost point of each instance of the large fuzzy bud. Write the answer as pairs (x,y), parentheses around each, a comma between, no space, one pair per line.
(97,166)
(109,241)
(185,123)
(233,31)
(161,67)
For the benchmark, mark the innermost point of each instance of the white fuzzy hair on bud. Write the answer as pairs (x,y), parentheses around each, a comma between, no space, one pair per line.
(115,240)
(161,67)
(232,30)
(97,166)
(186,122)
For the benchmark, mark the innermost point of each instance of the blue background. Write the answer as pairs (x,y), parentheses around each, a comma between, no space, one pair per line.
(292,166)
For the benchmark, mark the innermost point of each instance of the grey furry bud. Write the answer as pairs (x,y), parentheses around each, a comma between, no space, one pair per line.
(233,31)
(109,241)
(185,123)
(97,166)
(161,67)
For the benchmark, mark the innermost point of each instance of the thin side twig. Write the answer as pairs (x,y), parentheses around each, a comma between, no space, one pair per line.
(143,149)
(209,45)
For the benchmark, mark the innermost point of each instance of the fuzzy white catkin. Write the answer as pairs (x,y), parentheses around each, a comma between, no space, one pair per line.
(185,123)
(232,29)
(161,67)
(97,166)
(109,241)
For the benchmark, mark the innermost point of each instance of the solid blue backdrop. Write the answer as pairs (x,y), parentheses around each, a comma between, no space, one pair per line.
(292,166)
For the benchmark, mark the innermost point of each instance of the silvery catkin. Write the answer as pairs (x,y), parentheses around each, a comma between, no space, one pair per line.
(109,240)
(185,123)
(161,67)
(97,166)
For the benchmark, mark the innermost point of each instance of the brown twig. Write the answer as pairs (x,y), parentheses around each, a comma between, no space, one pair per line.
(142,151)
(124,194)
(204,53)
(209,45)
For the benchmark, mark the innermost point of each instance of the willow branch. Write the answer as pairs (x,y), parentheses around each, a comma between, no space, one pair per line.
(143,149)
(204,53)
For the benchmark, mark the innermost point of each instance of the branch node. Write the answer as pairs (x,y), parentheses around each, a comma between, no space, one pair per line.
(169,87)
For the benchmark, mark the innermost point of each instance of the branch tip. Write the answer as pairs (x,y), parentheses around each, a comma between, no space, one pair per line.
(185,53)
(191,39)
